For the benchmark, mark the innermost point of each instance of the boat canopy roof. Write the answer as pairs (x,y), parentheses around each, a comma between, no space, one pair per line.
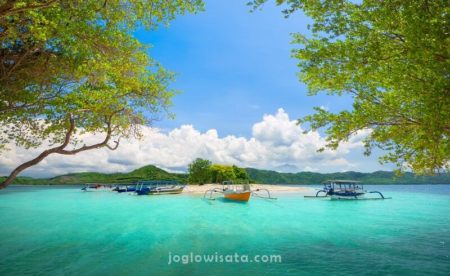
(342,182)
(157,182)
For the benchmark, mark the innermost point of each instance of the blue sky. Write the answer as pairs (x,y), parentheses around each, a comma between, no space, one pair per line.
(233,66)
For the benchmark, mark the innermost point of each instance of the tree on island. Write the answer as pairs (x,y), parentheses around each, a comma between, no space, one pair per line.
(240,173)
(392,58)
(73,67)
(199,171)
(202,171)
(222,173)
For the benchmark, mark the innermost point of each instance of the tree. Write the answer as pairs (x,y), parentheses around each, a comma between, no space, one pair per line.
(199,171)
(222,173)
(240,173)
(392,58)
(73,67)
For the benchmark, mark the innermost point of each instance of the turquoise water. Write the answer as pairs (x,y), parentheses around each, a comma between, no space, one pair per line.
(56,231)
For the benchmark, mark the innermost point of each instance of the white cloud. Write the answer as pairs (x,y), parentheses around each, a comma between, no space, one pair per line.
(276,143)
(324,107)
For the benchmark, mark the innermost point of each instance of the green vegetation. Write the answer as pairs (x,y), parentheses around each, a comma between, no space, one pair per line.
(379,177)
(203,171)
(392,58)
(199,171)
(74,67)
(151,172)
(220,173)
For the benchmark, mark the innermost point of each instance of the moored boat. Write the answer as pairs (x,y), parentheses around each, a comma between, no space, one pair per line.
(237,195)
(126,189)
(345,190)
(235,192)
(95,187)
(158,187)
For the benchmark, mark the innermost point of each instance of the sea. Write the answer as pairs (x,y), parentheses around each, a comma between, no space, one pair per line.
(47,230)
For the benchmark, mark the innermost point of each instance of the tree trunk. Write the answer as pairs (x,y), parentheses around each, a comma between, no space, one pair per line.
(41,156)
(24,166)
(61,149)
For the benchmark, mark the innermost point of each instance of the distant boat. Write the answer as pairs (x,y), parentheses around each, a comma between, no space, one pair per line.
(95,187)
(158,187)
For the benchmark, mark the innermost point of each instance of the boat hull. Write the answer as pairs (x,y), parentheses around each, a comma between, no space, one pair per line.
(160,191)
(165,192)
(126,190)
(103,189)
(347,197)
(237,196)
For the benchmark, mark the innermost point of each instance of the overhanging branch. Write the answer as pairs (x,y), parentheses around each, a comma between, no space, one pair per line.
(8,7)
(61,148)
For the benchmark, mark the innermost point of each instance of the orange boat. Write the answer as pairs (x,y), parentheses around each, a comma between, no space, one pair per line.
(237,195)
(232,192)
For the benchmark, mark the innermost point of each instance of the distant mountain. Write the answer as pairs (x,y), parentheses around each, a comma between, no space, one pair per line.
(378,177)
(151,172)
(287,168)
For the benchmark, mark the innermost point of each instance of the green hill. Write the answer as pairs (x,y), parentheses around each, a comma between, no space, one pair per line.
(151,172)
(378,177)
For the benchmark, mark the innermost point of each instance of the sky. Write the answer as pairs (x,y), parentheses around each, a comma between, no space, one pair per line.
(239,102)
(233,66)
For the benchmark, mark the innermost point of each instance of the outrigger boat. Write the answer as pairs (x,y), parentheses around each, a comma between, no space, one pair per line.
(235,192)
(346,190)
(95,187)
(158,187)
(125,188)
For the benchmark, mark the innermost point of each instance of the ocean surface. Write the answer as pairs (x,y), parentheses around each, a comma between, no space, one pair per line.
(64,231)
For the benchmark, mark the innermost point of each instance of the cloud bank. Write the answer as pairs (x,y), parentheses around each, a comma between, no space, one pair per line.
(276,143)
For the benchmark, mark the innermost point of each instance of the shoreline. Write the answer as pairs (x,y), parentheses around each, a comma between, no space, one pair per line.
(201,189)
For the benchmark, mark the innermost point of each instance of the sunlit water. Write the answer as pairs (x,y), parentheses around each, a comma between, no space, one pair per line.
(56,231)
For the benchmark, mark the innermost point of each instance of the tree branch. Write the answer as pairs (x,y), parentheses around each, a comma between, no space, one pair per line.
(7,9)
(41,156)
(11,107)
(61,148)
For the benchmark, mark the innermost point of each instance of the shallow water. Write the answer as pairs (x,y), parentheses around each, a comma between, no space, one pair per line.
(55,231)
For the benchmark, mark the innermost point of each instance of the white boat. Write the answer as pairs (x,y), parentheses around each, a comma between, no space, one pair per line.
(158,187)
(95,187)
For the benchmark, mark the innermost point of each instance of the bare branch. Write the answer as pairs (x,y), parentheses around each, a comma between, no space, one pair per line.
(114,147)
(41,156)
(61,148)
(104,143)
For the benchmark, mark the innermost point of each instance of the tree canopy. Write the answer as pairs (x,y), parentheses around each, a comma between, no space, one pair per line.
(392,58)
(73,67)
(202,171)
(199,171)
(221,173)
